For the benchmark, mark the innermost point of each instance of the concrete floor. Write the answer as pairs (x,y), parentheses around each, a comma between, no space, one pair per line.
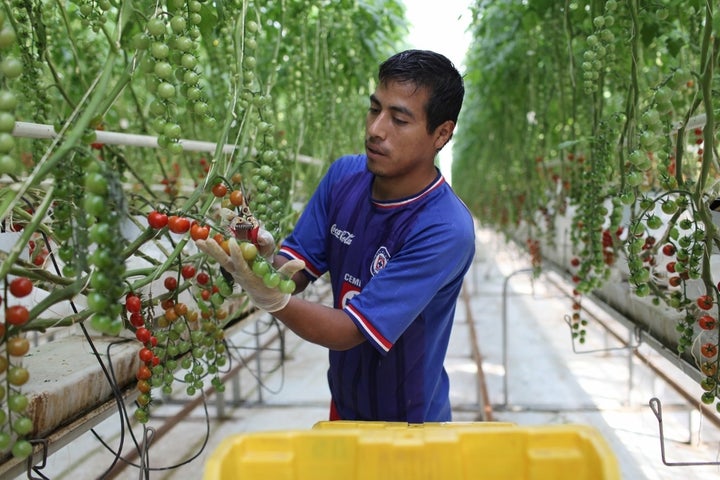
(545,382)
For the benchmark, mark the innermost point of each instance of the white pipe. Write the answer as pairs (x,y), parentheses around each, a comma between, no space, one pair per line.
(40,131)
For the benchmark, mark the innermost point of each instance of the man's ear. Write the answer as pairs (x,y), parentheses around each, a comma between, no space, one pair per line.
(443,134)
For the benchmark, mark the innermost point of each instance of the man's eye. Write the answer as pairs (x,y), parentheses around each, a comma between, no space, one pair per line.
(399,121)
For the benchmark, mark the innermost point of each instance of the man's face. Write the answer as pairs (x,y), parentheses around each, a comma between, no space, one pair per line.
(396,138)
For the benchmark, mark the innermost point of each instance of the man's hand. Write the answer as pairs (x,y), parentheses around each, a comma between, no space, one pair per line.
(265,298)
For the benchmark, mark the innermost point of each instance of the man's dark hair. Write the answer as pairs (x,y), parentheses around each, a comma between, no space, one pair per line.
(427,69)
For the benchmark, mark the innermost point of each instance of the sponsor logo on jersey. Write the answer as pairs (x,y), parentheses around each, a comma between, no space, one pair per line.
(382,256)
(343,235)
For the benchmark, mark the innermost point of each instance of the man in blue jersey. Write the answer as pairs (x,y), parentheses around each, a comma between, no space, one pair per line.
(396,242)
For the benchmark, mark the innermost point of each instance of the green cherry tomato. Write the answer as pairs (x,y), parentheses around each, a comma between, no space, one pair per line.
(141,415)
(97,302)
(96,183)
(260,267)
(100,233)
(100,281)
(287,286)
(95,205)
(5,439)
(7,36)
(8,101)
(189,61)
(8,165)
(159,50)
(7,142)
(17,375)
(178,24)
(163,70)
(166,90)
(11,67)
(271,279)
(7,122)
(156,27)
(22,449)
(23,426)
(100,323)
(249,251)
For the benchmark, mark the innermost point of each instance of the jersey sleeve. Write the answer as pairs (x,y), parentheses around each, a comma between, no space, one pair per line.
(429,268)
(308,240)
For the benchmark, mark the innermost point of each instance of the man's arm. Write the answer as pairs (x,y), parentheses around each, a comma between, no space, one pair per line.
(316,323)
(320,324)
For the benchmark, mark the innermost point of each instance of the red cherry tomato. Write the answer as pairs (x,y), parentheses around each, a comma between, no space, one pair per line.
(705,302)
(17,315)
(143,335)
(707,322)
(236,198)
(133,304)
(178,224)
(157,220)
(146,355)
(188,271)
(170,283)
(21,286)
(709,350)
(203,278)
(219,190)
(143,373)
(199,232)
(137,320)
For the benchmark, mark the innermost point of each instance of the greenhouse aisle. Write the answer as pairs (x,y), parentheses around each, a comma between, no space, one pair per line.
(547,383)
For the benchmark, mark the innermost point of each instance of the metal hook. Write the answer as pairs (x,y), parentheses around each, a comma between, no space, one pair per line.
(148,435)
(638,338)
(41,464)
(656,407)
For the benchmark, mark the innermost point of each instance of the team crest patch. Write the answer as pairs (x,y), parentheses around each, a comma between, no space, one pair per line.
(380,260)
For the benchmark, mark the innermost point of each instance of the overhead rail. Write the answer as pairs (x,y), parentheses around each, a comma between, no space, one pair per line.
(42,131)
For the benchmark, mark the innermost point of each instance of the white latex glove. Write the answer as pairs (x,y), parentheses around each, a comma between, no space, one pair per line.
(265,298)
(246,227)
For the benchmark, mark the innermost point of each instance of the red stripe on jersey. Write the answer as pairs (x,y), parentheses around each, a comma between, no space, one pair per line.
(289,252)
(383,342)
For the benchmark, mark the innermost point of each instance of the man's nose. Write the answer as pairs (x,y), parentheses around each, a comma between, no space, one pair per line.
(375,126)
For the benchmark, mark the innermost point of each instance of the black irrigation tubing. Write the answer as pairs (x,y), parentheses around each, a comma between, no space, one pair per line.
(169,424)
(107,370)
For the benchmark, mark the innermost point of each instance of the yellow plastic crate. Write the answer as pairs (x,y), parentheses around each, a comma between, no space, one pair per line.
(432,451)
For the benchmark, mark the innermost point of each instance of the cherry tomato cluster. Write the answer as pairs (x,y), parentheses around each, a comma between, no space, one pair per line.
(103,203)
(261,267)
(178,224)
(10,67)
(265,270)
(180,337)
(172,75)
(14,424)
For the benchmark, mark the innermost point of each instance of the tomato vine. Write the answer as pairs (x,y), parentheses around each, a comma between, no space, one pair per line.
(270,84)
(616,103)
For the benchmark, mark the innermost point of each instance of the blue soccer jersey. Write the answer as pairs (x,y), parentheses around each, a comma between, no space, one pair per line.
(396,268)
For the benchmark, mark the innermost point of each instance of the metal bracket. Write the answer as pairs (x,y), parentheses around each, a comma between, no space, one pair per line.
(638,339)
(505,330)
(37,468)
(656,407)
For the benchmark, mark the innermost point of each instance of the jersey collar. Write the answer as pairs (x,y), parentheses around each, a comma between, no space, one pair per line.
(439,180)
